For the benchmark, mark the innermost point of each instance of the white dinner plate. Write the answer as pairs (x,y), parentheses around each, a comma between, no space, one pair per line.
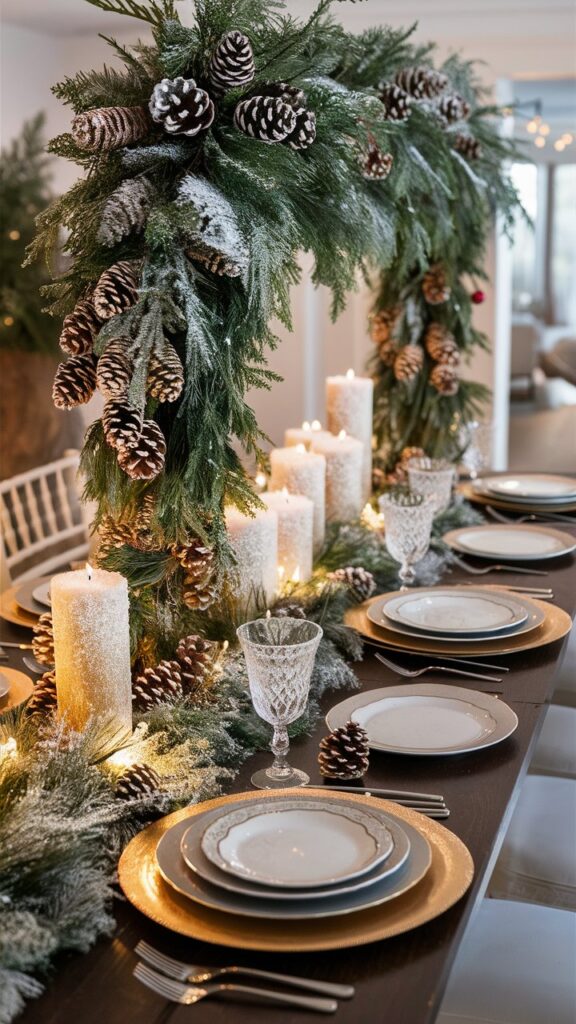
(297,844)
(24,595)
(176,873)
(517,542)
(531,487)
(427,719)
(454,610)
(41,594)
(191,848)
(375,613)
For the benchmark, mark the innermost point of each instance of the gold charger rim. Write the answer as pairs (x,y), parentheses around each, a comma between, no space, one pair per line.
(449,877)
(557,623)
(535,507)
(21,687)
(10,610)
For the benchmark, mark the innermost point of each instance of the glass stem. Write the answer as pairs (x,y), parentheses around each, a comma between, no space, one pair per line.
(280,746)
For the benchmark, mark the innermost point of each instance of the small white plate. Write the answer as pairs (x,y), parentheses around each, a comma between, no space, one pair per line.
(191,848)
(518,543)
(297,844)
(532,487)
(453,610)
(428,719)
(374,612)
(41,594)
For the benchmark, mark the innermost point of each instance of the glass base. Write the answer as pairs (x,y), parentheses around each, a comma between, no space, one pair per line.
(265,779)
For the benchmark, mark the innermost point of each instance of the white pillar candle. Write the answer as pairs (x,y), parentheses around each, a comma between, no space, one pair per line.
(302,472)
(254,541)
(304,434)
(92,648)
(343,456)
(295,534)
(349,405)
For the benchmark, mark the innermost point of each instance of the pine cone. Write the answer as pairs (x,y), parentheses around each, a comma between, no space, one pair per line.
(145,459)
(126,210)
(444,378)
(122,424)
(113,533)
(197,559)
(75,382)
(117,289)
(114,370)
(344,753)
(79,329)
(382,324)
(375,164)
(217,263)
(397,103)
(387,352)
(108,128)
(358,580)
(468,146)
(411,452)
(133,529)
(441,346)
(289,610)
(232,64)
(304,132)
(408,363)
(198,596)
(420,82)
(434,286)
(157,685)
(196,657)
(165,375)
(43,701)
(137,782)
(453,108)
(266,118)
(43,640)
(181,107)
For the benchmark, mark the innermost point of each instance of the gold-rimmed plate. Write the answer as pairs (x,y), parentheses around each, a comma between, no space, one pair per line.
(20,688)
(451,872)
(11,611)
(557,623)
(471,493)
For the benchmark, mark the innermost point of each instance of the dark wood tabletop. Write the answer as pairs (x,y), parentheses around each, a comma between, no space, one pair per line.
(399,980)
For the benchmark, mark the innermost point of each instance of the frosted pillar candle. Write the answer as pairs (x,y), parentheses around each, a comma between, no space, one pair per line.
(349,405)
(302,472)
(92,648)
(295,534)
(254,541)
(344,498)
(305,434)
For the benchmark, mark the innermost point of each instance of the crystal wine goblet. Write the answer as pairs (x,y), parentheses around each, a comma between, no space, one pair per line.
(434,477)
(279,656)
(407,523)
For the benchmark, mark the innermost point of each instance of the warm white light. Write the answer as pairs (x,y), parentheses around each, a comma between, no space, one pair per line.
(544,129)
(124,757)
(559,145)
(342,435)
(13,236)
(301,448)
(8,749)
(285,492)
(350,374)
(8,321)
(305,425)
(567,138)
(370,519)
(89,570)
(268,613)
(316,425)
(540,142)
(532,127)
(296,575)
(281,571)
(260,479)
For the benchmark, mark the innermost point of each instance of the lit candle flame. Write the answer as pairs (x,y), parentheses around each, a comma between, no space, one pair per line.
(342,435)
(281,571)
(305,425)
(316,425)
(296,575)
(89,571)
(301,448)
(268,613)
(350,374)
(260,480)
(285,492)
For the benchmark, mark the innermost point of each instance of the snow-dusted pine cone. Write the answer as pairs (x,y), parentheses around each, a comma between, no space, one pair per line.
(358,580)
(114,370)
(453,108)
(375,164)
(122,424)
(157,685)
(79,329)
(117,289)
(468,146)
(137,782)
(196,558)
(181,107)
(441,345)
(196,657)
(444,377)
(145,459)
(219,263)
(43,640)
(75,382)
(43,700)
(396,102)
(266,118)
(165,375)
(421,82)
(408,363)
(126,210)
(288,610)
(344,753)
(232,63)
(435,287)
(382,324)
(106,128)
(303,133)
(198,595)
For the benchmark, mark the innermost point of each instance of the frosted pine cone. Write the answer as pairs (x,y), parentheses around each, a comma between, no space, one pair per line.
(106,128)
(125,211)
(157,685)
(468,146)
(396,102)
(165,375)
(441,345)
(199,595)
(75,382)
(358,580)
(196,558)
(218,263)
(453,108)
(181,107)
(145,459)
(421,82)
(444,378)
(114,370)
(408,363)
(43,640)
(266,118)
(304,132)
(435,287)
(375,164)
(232,64)
(344,753)
(44,700)
(79,329)
(289,610)
(122,424)
(117,289)
(382,324)
(137,782)
(196,657)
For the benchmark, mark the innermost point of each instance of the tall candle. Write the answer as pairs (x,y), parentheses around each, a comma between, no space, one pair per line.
(304,434)
(349,404)
(302,472)
(254,542)
(343,456)
(92,648)
(295,533)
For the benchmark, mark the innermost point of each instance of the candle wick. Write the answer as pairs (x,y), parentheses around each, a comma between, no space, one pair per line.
(89,571)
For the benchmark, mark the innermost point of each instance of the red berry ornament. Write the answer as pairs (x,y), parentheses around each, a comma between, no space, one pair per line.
(478,297)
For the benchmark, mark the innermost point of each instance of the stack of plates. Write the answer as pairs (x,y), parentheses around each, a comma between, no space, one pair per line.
(525,492)
(309,869)
(516,542)
(457,620)
(24,603)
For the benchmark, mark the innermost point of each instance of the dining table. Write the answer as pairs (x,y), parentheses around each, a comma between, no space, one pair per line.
(399,980)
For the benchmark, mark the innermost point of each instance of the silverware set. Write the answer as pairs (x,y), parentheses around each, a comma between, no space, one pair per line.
(430,804)
(541,593)
(548,517)
(414,673)
(189,983)
(475,570)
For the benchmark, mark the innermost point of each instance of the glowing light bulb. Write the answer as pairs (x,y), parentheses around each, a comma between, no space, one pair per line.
(8,321)
(260,480)
(544,129)
(342,435)
(532,127)
(13,236)
(540,142)
(567,138)
(281,571)
(559,145)
(350,374)
(305,425)
(296,575)
(316,425)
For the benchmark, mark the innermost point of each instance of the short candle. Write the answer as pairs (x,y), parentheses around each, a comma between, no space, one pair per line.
(295,533)
(254,542)
(343,456)
(304,434)
(302,472)
(349,405)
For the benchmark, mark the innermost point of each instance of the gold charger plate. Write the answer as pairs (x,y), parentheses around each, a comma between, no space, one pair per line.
(447,880)
(535,507)
(21,686)
(557,623)
(11,611)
